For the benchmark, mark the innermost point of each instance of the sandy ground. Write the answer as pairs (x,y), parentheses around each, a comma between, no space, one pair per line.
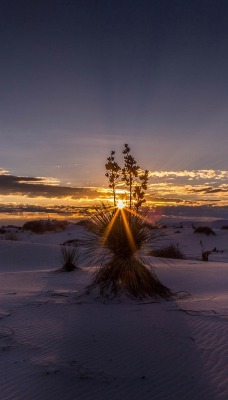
(58,343)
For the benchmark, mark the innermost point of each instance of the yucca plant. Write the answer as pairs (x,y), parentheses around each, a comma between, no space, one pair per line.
(117,244)
(69,257)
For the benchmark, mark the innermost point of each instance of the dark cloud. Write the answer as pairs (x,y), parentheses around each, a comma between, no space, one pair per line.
(23,209)
(209,190)
(37,187)
(204,211)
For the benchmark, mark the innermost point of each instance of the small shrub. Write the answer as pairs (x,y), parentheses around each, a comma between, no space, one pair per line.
(11,236)
(41,226)
(204,229)
(224,227)
(69,258)
(87,224)
(70,242)
(205,255)
(170,251)
(163,227)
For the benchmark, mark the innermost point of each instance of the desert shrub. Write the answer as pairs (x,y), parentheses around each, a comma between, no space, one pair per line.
(114,246)
(87,224)
(69,257)
(71,242)
(204,229)
(170,251)
(224,227)
(164,226)
(41,226)
(11,236)
(205,255)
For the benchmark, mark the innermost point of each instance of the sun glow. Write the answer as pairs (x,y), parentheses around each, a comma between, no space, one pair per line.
(123,212)
(110,225)
(120,204)
(128,231)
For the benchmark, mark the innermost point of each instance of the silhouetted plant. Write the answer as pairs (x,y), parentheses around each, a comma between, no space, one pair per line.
(86,223)
(134,179)
(69,258)
(42,226)
(11,236)
(113,173)
(170,251)
(118,246)
(139,193)
(130,171)
(205,253)
(204,229)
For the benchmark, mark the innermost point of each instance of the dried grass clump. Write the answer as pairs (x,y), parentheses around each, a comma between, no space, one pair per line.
(11,236)
(87,224)
(69,258)
(117,246)
(170,251)
(204,229)
(42,226)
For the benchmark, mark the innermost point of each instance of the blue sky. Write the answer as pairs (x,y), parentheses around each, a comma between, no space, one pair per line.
(80,78)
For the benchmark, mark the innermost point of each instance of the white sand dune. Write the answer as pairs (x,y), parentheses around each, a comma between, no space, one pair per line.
(56,344)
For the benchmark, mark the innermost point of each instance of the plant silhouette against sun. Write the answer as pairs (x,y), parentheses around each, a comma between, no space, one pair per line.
(131,175)
(121,238)
(139,194)
(130,171)
(113,173)
(118,246)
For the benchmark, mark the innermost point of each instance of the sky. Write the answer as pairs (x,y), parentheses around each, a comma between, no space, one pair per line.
(83,77)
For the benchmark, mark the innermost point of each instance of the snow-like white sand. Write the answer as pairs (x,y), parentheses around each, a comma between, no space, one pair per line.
(57,345)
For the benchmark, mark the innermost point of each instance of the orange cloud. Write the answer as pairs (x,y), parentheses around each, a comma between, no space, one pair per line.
(194,174)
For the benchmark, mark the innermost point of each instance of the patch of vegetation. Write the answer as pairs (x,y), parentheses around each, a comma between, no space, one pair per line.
(121,236)
(114,246)
(204,229)
(11,236)
(69,258)
(224,227)
(170,251)
(87,224)
(70,242)
(42,226)
(205,255)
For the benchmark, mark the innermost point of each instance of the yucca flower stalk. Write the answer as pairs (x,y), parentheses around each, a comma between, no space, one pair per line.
(118,244)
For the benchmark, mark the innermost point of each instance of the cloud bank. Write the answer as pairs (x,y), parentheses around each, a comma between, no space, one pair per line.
(41,187)
(166,189)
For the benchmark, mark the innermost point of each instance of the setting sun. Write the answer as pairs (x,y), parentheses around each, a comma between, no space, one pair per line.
(120,204)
